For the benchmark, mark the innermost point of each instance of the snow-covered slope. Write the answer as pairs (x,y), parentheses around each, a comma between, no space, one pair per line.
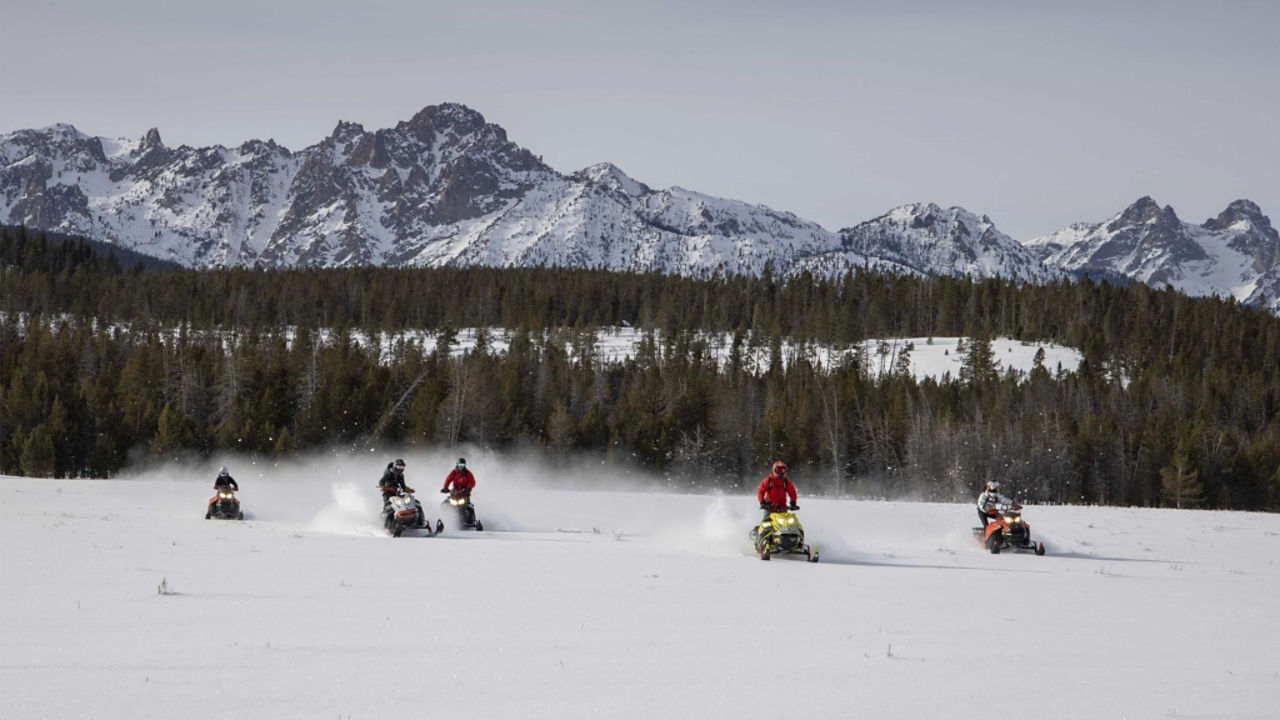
(1236,254)
(924,239)
(613,604)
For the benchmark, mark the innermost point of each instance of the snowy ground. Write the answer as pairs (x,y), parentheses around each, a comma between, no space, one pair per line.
(643,604)
(929,357)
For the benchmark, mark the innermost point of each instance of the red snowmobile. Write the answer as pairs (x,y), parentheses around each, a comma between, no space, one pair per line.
(1007,531)
(224,506)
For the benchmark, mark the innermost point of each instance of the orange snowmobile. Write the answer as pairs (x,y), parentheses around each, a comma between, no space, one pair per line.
(1007,531)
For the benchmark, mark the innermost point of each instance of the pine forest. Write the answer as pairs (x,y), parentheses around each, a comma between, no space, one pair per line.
(105,363)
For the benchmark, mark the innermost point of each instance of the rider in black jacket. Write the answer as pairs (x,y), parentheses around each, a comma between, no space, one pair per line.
(225,481)
(392,482)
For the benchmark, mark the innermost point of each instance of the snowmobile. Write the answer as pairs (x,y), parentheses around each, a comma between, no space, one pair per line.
(460,502)
(1007,531)
(404,512)
(224,506)
(782,533)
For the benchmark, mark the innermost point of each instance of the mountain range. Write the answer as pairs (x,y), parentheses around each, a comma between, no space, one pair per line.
(446,187)
(1236,254)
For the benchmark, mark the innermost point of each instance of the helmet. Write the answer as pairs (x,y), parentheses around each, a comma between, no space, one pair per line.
(779,468)
(222,471)
(398,464)
(993,485)
(462,462)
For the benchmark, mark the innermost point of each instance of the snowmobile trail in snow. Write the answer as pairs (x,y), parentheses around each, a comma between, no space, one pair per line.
(646,604)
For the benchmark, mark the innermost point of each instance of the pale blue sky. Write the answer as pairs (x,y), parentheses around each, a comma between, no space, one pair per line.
(1037,114)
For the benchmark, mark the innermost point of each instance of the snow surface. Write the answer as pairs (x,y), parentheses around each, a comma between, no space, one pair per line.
(930,357)
(639,604)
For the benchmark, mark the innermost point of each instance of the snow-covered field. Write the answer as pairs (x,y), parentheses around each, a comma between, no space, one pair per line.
(928,357)
(577,603)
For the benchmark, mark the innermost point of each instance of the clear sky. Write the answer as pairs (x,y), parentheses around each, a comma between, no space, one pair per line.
(1037,114)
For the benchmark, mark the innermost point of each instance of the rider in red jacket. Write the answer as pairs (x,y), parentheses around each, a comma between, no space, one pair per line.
(460,478)
(774,491)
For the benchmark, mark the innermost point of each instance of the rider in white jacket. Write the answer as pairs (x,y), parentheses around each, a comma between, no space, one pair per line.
(988,501)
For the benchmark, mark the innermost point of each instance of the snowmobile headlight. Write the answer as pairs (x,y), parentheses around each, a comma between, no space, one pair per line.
(225,495)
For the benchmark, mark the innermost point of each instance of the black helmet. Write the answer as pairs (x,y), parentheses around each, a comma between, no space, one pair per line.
(462,462)
(398,465)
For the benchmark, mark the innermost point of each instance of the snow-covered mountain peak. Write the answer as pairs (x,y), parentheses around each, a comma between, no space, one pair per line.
(949,224)
(1240,211)
(444,116)
(913,213)
(59,139)
(346,131)
(925,239)
(61,132)
(252,148)
(452,124)
(612,177)
(1143,210)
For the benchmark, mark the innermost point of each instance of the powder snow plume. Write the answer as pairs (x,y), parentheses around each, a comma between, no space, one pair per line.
(352,511)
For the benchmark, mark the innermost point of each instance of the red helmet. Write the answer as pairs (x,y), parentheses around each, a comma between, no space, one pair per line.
(779,468)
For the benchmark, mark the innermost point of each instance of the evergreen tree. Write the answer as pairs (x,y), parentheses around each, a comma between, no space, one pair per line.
(978,364)
(38,459)
(1180,481)
(173,432)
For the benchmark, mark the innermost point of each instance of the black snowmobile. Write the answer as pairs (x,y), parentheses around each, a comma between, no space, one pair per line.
(224,506)
(403,512)
(460,503)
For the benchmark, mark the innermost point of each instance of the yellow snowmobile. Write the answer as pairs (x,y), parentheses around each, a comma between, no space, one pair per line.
(782,533)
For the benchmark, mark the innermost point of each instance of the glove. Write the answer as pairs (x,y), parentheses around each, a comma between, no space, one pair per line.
(764,506)
(444,490)
(795,506)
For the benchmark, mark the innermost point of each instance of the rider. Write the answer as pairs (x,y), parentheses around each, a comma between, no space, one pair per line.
(774,490)
(392,482)
(988,501)
(224,481)
(461,479)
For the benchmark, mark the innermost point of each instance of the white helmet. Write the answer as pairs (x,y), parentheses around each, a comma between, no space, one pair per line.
(993,485)
(222,471)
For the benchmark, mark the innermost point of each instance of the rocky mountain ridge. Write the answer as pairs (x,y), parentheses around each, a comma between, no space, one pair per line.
(1236,254)
(446,187)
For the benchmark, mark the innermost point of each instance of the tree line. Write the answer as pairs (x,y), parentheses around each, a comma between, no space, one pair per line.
(1175,403)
